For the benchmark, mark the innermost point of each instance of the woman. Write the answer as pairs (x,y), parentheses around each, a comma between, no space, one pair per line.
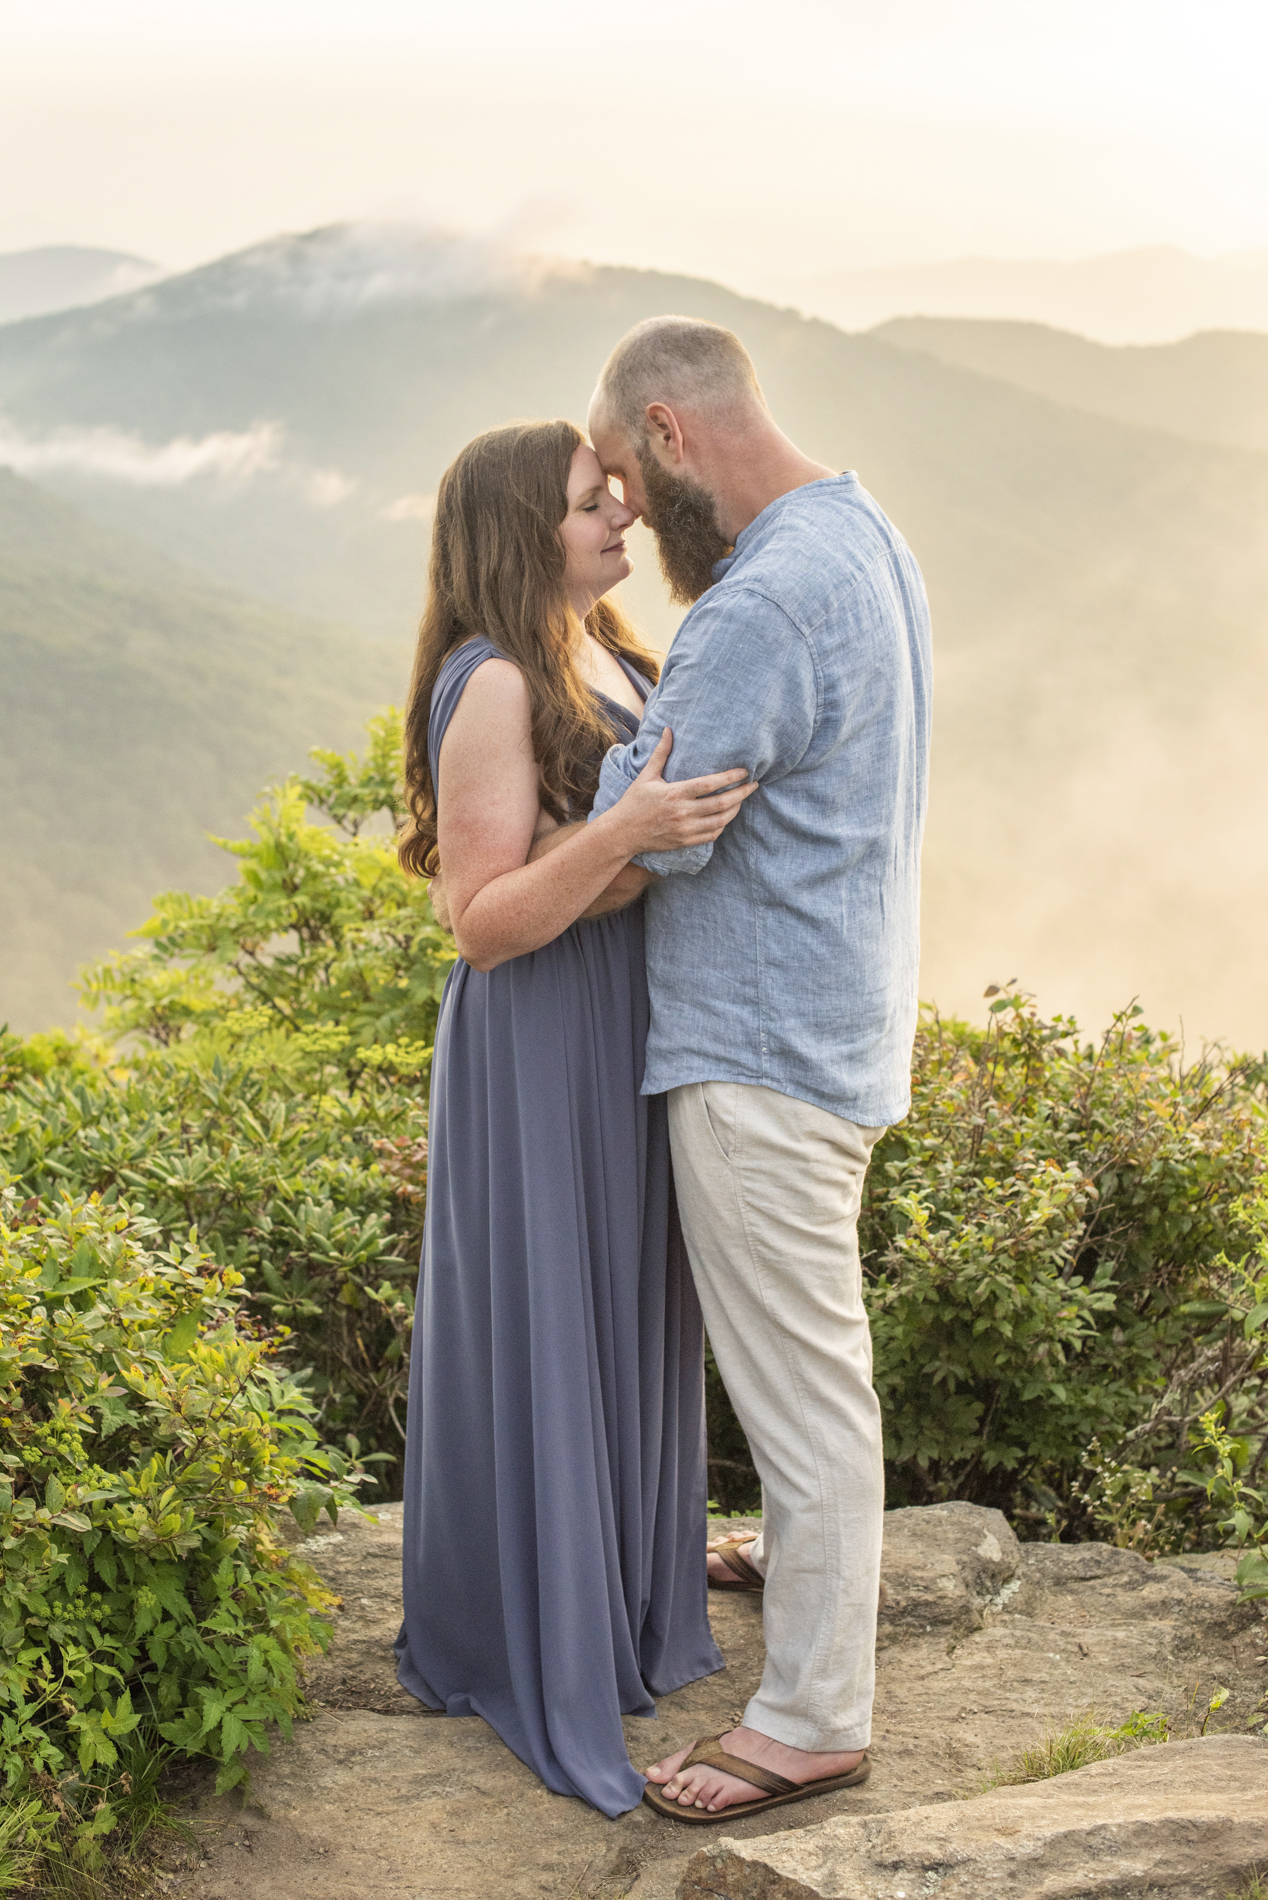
(555,1477)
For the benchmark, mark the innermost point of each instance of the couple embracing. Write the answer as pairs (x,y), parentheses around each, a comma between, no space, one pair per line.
(685,899)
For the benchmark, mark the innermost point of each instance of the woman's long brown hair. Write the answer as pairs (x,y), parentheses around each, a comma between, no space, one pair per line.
(497,568)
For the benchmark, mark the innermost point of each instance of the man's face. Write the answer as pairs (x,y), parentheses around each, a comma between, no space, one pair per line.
(679,510)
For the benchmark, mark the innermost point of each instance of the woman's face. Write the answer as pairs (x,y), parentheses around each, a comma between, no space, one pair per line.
(593,533)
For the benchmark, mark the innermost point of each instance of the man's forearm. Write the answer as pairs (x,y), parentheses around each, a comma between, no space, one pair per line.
(549,840)
(626,887)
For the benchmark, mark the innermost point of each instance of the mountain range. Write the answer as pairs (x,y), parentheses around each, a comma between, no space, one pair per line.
(1153,295)
(1092,536)
(1212,387)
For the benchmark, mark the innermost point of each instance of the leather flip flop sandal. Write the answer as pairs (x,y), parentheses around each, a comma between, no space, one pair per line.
(780,1793)
(747,1575)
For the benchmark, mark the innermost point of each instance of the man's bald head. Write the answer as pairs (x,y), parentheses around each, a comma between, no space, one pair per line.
(691,366)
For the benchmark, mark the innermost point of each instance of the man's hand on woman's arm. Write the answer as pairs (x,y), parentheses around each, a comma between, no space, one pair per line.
(502,903)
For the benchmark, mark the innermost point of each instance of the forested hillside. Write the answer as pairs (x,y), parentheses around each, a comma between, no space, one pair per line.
(279,421)
(140,707)
(1212,387)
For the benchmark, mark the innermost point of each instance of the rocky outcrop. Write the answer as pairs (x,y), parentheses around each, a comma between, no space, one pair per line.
(1187,1821)
(945,1567)
(985,1644)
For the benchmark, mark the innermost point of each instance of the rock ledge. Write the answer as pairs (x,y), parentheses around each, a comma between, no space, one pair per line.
(1187,1819)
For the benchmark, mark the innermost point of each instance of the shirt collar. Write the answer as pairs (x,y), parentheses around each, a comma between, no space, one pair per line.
(750,534)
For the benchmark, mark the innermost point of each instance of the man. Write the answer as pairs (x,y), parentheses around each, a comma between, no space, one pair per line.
(782,963)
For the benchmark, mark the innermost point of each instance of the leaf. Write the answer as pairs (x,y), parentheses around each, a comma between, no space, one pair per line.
(185,1733)
(177,1342)
(1252,1577)
(307,1506)
(214,1707)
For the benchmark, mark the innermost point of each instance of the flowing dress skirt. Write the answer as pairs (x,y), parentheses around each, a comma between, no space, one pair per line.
(554,1569)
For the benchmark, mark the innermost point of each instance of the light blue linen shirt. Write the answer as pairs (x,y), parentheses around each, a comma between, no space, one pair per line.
(788,955)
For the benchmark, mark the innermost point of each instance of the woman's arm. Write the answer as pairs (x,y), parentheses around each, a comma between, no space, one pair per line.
(628,884)
(503,906)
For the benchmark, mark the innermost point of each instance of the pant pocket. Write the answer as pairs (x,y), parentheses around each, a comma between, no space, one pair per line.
(720,1101)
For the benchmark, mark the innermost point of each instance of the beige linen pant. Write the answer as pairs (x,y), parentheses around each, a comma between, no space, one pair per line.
(769,1190)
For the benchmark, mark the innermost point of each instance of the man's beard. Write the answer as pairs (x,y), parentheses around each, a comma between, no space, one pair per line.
(681,514)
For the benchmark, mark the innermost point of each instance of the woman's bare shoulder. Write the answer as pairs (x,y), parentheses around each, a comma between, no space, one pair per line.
(495,708)
(497,684)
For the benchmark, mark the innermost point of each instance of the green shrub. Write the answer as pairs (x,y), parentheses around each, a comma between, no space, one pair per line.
(44,1054)
(1066,1267)
(148,1437)
(275,1165)
(1045,1241)
(322,948)
(268,1085)
(1193,1471)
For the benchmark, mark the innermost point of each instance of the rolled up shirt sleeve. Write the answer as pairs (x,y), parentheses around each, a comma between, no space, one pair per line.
(740,687)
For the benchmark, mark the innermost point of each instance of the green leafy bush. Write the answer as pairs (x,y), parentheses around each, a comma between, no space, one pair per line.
(1046,1240)
(1194,1470)
(1062,1270)
(42,1054)
(321,950)
(276,1167)
(148,1437)
(267,1084)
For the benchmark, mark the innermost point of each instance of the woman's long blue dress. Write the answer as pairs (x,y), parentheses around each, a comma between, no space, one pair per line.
(555,1478)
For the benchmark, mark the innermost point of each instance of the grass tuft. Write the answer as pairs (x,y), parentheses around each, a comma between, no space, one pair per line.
(46,1849)
(1081,1742)
(24,1828)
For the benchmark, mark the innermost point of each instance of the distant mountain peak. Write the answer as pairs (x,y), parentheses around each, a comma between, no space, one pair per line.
(67,276)
(340,269)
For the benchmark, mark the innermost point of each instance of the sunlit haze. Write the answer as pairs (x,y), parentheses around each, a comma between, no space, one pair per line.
(757,144)
(1009,261)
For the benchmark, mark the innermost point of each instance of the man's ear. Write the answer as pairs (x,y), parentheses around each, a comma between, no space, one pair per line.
(664,433)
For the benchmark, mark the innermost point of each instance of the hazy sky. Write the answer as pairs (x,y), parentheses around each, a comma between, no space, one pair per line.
(753,142)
